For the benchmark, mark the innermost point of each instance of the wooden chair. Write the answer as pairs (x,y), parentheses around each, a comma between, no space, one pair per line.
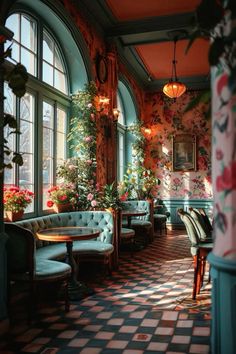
(24,266)
(199,250)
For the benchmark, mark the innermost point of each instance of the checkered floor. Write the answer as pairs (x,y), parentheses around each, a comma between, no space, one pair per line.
(145,307)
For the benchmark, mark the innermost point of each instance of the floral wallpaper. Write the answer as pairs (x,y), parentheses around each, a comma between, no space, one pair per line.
(165,118)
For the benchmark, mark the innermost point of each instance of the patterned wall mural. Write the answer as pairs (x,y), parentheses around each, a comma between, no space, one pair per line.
(165,118)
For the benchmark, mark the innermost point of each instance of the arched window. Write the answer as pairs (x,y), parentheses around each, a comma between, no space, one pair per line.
(127,116)
(43,113)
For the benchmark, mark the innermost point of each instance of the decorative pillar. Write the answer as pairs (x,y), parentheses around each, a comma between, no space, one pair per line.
(223,256)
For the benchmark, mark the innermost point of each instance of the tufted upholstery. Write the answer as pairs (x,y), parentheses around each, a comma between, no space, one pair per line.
(24,266)
(102,246)
(143,225)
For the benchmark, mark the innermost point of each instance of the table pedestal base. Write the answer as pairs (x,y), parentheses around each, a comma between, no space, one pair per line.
(78,291)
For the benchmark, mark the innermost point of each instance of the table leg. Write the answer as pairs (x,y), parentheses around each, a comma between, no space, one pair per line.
(129,221)
(77,290)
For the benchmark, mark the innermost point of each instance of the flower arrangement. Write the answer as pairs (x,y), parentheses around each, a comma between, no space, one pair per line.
(16,199)
(139,183)
(62,194)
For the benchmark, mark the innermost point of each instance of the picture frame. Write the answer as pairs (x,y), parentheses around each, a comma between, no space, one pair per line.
(184,152)
(101,69)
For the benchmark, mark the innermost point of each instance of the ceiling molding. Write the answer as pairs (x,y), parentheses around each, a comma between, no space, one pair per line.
(155,24)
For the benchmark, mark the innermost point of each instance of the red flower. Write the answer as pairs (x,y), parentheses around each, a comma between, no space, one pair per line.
(124,196)
(227,181)
(50,203)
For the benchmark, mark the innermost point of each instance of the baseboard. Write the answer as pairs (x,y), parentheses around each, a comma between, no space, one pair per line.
(175,227)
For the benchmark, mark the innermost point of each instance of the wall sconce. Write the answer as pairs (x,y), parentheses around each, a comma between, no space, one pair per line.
(103,100)
(116,114)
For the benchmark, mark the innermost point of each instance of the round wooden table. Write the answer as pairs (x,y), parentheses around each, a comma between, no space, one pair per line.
(131,213)
(69,234)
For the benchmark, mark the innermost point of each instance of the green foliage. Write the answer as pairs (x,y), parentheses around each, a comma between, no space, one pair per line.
(17,79)
(110,197)
(138,183)
(139,144)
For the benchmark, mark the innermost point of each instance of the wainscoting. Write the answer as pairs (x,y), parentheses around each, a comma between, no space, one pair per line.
(172,205)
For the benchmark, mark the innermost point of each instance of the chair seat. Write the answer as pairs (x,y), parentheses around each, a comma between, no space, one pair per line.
(160,222)
(58,251)
(137,223)
(127,233)
(160,217)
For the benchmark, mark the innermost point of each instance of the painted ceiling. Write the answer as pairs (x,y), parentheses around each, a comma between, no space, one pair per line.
(144,33)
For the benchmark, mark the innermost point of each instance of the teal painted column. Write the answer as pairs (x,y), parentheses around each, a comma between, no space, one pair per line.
(223,257)
(223,275)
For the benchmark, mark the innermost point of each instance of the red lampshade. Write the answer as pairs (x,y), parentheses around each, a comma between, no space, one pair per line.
(174,89)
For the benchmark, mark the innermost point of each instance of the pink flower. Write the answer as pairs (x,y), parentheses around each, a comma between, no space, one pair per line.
(90,105)
(87,139)
(219,154)
(90,196)
(89,162)
(93,203)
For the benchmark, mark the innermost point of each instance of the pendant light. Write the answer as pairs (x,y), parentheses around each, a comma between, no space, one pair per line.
(174,88)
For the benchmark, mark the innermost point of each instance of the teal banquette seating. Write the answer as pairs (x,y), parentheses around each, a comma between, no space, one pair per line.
(24,266)
(142,225)
(100,249)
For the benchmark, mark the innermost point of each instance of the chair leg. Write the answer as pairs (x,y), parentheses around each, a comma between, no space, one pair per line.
(196,278)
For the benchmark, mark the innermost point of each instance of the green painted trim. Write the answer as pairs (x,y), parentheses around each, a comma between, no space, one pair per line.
(220,263)
(172,205)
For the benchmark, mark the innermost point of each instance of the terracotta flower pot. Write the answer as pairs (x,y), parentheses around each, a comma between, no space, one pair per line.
(63,208)
(14,216)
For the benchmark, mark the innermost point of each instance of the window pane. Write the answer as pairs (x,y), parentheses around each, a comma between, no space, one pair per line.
(28,33)
(60,81)
(48,46)
(47,142)
(121,118)
(15,53)
(61,153)
(26,171)
(61,120)
(9,107)
(27,107)
(28,59)
(121,157)
(58,61)
(9,102)
(26,137)
(13,24)
(47,73)
(48,115)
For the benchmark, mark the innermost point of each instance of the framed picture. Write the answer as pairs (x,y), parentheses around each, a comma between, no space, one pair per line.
(184,152)
(101,68)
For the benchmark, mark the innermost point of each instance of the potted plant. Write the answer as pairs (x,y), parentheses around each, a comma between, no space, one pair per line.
(15,201)
(138,183)
(62,198)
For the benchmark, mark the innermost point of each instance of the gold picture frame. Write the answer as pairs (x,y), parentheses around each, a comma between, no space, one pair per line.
(184,152)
